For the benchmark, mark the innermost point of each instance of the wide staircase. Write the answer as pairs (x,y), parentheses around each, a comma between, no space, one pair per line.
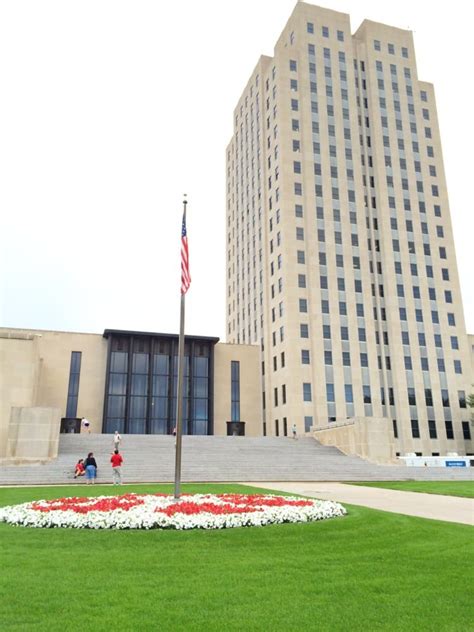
(151,458)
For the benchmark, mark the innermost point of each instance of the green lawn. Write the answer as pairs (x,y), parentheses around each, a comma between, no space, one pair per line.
(445,488)
(370,570)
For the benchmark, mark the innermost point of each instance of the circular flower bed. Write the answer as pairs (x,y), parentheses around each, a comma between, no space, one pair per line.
(161,511)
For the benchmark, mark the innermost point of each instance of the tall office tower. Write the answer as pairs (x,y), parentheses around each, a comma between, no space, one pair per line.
(340,253)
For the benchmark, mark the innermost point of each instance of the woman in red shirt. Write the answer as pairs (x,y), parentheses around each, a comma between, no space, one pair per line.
(79,470)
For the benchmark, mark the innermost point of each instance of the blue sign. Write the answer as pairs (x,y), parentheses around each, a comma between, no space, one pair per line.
(455,463)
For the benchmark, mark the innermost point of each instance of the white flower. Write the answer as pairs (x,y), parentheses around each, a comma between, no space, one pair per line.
(147,511)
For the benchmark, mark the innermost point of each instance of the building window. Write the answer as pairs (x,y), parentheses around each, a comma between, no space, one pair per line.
(449,429)
(307,392)
(411,396)
(235,390)
(432,429)
(73,388)
(466,430)
(308,423)
(305,356)
(348,393)
(415,430)
(330,396)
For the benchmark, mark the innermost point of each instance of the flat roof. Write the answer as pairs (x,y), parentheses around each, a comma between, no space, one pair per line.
(154,334)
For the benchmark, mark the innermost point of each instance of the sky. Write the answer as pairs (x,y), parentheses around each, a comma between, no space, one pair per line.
(111,110)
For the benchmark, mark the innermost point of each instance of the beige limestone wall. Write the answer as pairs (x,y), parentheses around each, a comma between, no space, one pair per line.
(19,374)
(250,387)
(370,438)
(470,341)
(34,372)
(56,349)
(33,434)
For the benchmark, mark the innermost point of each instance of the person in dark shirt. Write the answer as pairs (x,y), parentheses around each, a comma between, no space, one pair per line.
(91,468)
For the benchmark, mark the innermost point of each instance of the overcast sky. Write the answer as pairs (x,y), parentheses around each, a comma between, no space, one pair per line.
(110,110)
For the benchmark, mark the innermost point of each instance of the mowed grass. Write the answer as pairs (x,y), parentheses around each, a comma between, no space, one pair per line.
(445,488)
(370,570)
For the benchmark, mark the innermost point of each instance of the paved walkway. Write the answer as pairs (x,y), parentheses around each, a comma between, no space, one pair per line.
(433,506)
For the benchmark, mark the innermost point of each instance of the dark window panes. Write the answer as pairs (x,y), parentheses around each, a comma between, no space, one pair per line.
(201,367)
(138,407)
(201,409)
(160,385)
(76,361)
(116,406)
(186,365)
(118,384)
(71,408)
(139,384)
(161,364)
(159,426)
(235,391)
(118,362)
(73,389)
(140,363)
(200,427)
(159,407)
(201,387)
(115,423)
(136,426)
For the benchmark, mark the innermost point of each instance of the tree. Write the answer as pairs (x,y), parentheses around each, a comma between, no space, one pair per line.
(470,403)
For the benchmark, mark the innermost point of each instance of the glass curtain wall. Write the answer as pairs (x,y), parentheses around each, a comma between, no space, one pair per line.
(141,385)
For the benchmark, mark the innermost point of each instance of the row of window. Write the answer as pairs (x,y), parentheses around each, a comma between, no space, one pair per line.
(367,397)
(433,433)
(325,32)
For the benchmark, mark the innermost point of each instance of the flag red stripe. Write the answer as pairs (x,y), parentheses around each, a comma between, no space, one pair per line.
(185,275)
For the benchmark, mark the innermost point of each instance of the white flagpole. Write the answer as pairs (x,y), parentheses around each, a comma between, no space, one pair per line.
(179,402)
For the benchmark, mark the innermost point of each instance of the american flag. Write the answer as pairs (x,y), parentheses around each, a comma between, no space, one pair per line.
(185,276)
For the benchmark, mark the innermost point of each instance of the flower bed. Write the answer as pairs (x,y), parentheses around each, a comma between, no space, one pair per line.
(161,511)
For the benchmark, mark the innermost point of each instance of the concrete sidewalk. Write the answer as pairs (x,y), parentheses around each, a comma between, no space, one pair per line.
(433,506)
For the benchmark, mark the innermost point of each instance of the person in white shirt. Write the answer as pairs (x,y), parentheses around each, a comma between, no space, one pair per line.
(86,424)
(117,440)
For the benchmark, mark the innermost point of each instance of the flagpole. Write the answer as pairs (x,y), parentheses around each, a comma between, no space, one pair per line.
(179,402)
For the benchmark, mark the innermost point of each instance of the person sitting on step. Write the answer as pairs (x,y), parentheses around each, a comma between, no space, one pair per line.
(79,470)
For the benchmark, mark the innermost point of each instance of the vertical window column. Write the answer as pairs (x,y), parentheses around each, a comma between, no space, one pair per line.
(235,391)
(73,388)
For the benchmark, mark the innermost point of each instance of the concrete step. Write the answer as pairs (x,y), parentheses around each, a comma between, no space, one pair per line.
(151,458)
